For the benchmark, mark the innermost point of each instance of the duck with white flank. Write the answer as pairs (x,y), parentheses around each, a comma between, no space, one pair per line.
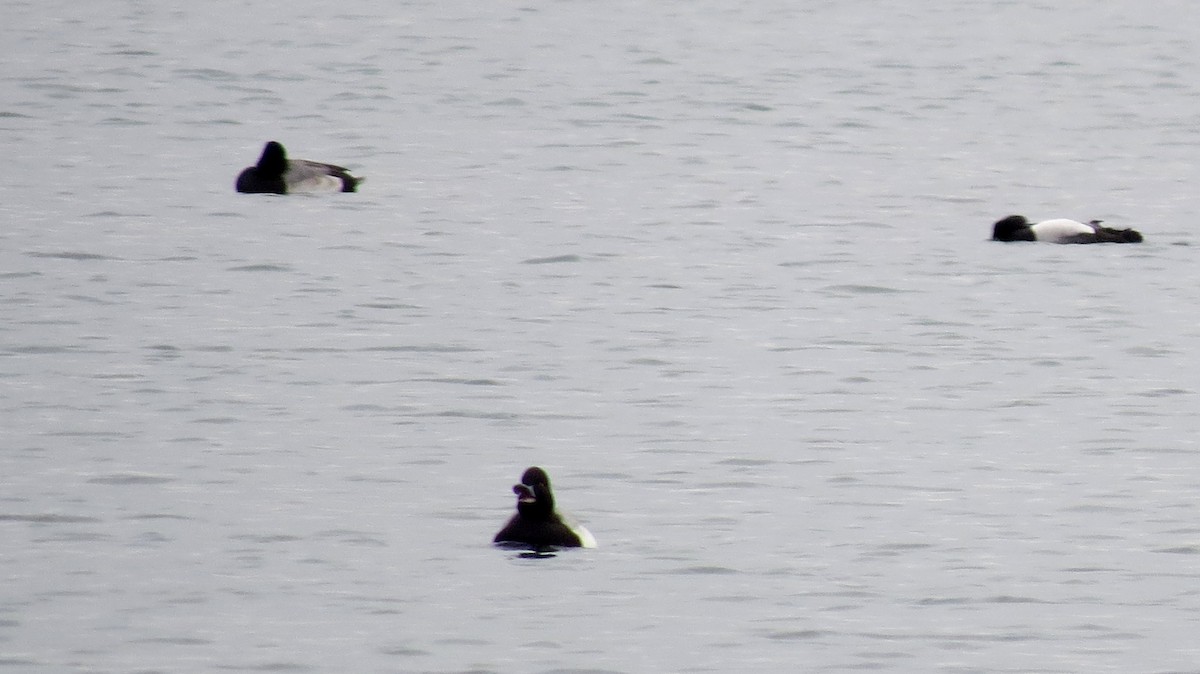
(537,523)
(1061,230)
(276,174)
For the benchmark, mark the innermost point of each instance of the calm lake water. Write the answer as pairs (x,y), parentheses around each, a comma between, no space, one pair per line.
(721,268)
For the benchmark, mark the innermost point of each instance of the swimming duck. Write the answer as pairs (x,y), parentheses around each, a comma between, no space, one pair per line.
(276,174)
(1061,230)
(536,522)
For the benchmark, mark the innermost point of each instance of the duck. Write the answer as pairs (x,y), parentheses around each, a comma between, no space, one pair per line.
(276,174)
(1061,230)
(537,523)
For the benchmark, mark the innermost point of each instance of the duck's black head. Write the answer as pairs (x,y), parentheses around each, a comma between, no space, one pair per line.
(1012,228)
(265,177)
(534,498)
(273,161)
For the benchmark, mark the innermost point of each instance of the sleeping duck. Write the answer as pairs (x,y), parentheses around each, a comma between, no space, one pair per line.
(276,174)
(1060,230)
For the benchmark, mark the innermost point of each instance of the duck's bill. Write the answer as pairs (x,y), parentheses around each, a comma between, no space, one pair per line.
(524,493)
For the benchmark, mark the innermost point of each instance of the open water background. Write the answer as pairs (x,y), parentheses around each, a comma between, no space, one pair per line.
(722,268)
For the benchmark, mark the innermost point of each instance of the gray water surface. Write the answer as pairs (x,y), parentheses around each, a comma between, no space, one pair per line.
(721,268)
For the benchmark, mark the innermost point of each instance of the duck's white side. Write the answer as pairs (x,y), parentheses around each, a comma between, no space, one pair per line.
(1059,230)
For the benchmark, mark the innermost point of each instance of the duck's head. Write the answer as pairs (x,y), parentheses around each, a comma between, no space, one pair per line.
(1012,228)
(534,498)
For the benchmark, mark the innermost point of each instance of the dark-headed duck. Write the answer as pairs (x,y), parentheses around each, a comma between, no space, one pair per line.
(1060,230)
(537,523)
(276,174)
